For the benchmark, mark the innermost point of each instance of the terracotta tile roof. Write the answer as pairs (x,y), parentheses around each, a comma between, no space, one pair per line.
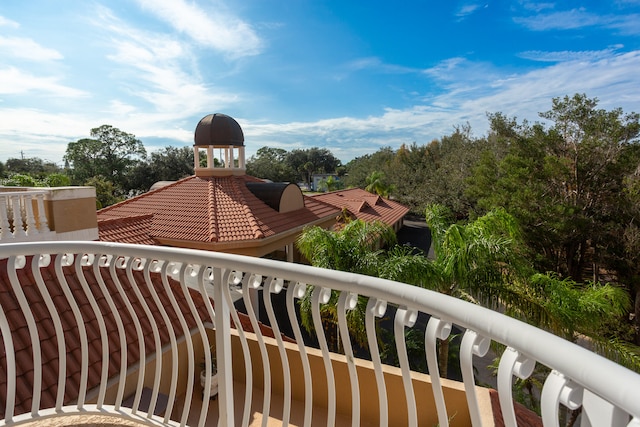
(211,210)
(46,331)
(133,229)
(364,205)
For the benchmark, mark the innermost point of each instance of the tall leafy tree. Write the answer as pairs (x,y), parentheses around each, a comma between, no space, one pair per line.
(271,163)
(313,160)
(564,184)
(33,166)
(167,164)
(110,153)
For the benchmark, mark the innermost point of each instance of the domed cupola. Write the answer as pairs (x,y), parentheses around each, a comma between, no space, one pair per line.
(219,131)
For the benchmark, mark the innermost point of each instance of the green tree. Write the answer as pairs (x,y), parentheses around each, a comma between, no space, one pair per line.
(313,160)
(271,163)
(57,180)
(33,166)
(20,180)
(358,169)
(353,248)
(377,183)
(111,153)
(565,184)
(105,192)
(167,164)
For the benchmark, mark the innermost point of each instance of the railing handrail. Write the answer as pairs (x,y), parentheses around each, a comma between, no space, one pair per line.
(610,381)
(24,191)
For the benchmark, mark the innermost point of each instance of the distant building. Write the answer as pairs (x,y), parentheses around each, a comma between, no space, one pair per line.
(317,178)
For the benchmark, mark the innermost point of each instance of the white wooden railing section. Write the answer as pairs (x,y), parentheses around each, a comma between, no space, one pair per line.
(607,392)
(22,216)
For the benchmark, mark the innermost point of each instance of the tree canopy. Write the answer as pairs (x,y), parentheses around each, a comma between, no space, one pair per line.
(110,153)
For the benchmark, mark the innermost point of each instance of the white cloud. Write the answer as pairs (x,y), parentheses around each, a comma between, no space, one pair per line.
(24,48)
(4,22)
(537,6)
(564,20)
(520,95)
(466,10)
(628,24)
(213,27)
(15,81)
(39,133)
(158,70)
(565,55)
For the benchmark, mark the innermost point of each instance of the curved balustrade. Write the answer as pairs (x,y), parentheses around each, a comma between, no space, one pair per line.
(120,330)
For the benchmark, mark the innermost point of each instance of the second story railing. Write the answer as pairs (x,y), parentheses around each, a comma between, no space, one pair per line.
(22,216)
(86,325)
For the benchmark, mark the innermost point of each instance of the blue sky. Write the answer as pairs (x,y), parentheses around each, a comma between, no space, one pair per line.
(344,75)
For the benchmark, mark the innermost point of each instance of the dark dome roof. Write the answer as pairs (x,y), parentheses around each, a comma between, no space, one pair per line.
(218,129)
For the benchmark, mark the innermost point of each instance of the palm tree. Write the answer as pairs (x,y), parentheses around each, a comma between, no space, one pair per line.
(484,262)
(354,248)
(376,183)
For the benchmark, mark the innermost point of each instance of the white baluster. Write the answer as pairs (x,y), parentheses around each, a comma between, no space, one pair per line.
(436,329)
(29,219)
(377,308)
(348,301)
(275,286)
(558,389)
(472,345)
(512,363)
(43,224)
(18,228)
(5,226)
(406,317)
(297,291)
(321,295)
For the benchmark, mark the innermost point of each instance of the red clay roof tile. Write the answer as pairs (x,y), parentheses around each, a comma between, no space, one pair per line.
(212,209)
(364,205)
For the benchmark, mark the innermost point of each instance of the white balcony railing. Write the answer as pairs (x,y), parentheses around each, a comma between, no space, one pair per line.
(86,324)
(23,217)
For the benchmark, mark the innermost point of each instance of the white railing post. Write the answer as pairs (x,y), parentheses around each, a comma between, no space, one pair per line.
(223,348)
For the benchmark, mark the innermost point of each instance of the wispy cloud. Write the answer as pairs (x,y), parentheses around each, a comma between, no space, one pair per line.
(628,24)
(536,6)
(158,70)
(19,47)
(375,64)
(214,27)
(14,81)
(566,55)
(4,22)
(523,95)
(467,9)
(562,20)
